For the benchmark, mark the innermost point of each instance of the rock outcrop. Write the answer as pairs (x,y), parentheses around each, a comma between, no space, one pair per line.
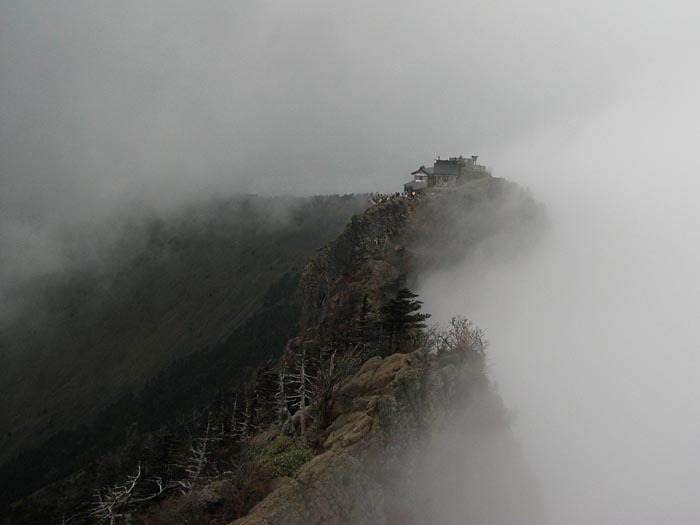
(407,237)
(383,414)
(385,417)
(358,264)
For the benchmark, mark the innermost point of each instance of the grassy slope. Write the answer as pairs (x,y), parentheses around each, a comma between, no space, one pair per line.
(202,274)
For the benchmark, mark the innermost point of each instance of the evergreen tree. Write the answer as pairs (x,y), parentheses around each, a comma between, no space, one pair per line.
(400,316)
(365,329)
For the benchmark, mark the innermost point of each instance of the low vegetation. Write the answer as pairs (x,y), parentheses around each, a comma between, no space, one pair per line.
(284,456)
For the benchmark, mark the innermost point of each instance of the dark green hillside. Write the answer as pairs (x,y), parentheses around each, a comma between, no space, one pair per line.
(238,392)
(181,390)
(202,275)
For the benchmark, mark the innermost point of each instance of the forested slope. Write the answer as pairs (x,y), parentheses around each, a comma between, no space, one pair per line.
(92,336)
(217,429)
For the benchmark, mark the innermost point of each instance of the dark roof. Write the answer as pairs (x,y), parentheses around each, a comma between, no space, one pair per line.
(446,168)
(423,169)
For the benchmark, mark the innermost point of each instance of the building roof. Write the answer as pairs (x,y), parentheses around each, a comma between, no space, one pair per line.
(446,168)
(423,169)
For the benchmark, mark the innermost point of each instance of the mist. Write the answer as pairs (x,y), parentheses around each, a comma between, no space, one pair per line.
(113,111)
(593,344)
(107,111)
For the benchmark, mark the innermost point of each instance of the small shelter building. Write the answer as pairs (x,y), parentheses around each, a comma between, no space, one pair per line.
(446,173)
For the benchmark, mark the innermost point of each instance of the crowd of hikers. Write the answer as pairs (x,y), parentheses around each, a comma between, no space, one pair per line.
(379,198)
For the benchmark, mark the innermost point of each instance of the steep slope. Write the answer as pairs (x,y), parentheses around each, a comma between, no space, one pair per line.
(399,416)
(399,452)
(386,408)
(354,269)
(403,237)
(198,276)
(377,421)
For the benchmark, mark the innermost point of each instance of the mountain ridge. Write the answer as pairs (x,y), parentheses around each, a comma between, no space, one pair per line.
(344,295)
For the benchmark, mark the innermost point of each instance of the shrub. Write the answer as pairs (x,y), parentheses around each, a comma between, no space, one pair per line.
(284,456)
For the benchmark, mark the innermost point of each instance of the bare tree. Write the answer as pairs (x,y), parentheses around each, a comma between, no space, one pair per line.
(333,368)
(301,394)
(242,424)
(197,459)
(113,504)
(461,335)
(234,422)
(281,398)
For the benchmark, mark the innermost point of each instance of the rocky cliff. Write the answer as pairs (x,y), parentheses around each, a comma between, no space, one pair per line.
(354,269)
(383,413)
(398,422)
(389,419)
(405,237)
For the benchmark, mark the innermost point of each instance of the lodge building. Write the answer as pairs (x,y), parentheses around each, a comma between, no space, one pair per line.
(446,174)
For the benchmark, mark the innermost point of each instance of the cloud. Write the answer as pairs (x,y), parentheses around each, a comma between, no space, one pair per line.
(593,332)
(172,100)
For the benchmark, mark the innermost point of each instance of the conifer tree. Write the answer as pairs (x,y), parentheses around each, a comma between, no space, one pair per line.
(366,328)
(400,316)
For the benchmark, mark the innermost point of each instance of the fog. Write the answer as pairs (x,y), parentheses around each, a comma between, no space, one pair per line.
(141,106)
(592,333)
(116,110)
